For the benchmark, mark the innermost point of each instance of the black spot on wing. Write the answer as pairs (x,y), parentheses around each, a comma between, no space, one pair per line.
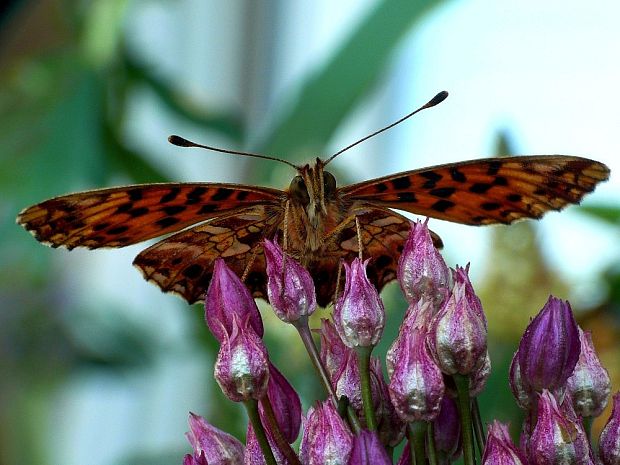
(173,209)
(170,196)
(490,206)
(432,179)
(167,221)
(457,176)
(480,187)
(406,197)
(222,193)
(442,192)
(192,271)
(494,167)
(118,230)
(207,208)
(442,205)
(401,183)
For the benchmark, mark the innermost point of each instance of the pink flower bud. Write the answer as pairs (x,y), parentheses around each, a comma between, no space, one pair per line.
(549,348)
(290,286)
(390,427)
(499,449)
(211,445)
(458,337)
(368,450)
(478,378)
(609,442)
(359,316)
(195,460)
(242,364)
(422,272)
(447,431)
(228,296)
(416,383)
(589,385)
(254,453)
(326,437)
(521,391)
(557,438)
(333,351)
(285,403)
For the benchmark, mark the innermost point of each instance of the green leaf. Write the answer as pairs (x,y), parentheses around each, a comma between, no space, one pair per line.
(328,96)
(605,213)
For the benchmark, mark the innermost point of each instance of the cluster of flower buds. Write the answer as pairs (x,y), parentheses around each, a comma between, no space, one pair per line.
(556,375)
(436,365)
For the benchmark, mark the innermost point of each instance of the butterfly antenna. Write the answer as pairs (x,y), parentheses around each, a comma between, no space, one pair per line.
(182,142)
(437,99)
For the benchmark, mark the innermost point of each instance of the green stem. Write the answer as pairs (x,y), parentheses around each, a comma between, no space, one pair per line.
(464,407)
(587,425)
(478,427)
(251,406)
(306,337)
(280,440)
(417,438)
(430,444)
(363,360)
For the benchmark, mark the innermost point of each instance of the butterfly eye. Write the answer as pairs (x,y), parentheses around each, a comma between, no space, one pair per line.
(329,184)
(298,191)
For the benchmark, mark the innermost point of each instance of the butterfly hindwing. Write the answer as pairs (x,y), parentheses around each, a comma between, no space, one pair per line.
(183,263)
(486,191)
(126,215)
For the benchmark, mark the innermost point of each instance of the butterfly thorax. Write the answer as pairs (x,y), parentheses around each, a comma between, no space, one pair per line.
(315,209)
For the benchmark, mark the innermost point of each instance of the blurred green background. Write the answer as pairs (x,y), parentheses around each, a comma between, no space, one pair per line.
(99,367)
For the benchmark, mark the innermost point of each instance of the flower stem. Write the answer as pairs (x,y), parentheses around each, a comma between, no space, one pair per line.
(306,337)
(363,359)
(478,427)
(417,439)
(282,443)
(464,407)
(430,444)
(251,406)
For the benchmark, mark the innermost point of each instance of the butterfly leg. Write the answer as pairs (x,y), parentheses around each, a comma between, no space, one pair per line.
(359,237)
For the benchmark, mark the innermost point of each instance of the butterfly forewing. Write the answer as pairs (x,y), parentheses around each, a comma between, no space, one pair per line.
(126,215)
(495,190)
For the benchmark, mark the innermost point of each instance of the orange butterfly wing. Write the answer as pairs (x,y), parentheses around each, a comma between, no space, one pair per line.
(486,191)
(126,215)
(183,263)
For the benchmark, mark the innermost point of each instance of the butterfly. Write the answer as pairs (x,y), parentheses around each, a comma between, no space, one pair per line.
(320,223)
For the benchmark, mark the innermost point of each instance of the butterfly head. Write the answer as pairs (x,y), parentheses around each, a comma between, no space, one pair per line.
(312,189)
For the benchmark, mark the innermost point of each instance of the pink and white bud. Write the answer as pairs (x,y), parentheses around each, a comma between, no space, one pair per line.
(457,337)
(290,287)
(589,385)
(416,383)
(326,438)
(499,449)
(228,296)
(422,272)
(359,315)
(609,441)
(368,450)
(242,364)
(557,438)
(212,445)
